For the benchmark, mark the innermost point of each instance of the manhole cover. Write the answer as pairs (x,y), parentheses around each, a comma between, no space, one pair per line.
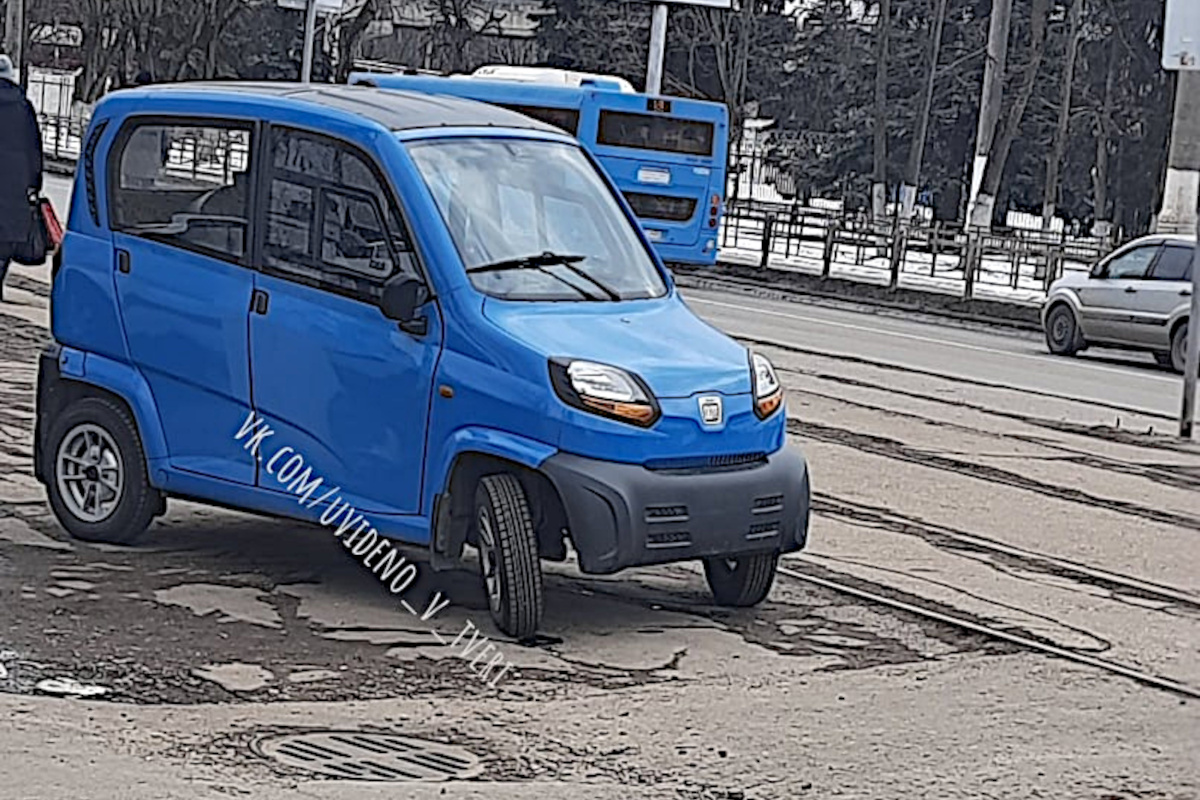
(370,756)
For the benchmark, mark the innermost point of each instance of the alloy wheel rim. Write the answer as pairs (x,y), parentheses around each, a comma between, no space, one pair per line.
(90,473)
(488,565)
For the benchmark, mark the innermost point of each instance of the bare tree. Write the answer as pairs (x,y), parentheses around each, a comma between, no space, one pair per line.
(1059,146)
(1011,127)
(916,153)
(883,27)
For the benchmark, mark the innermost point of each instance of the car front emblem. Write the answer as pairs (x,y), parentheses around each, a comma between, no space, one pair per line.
(711,411)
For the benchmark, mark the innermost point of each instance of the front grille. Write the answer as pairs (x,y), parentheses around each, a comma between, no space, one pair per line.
(763,530)
(656,514)
(764,505)
(668,539)
(729,461)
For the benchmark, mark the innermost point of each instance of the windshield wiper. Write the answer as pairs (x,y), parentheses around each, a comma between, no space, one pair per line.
(547,259)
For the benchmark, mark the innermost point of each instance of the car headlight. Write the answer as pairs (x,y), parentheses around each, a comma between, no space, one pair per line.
(604,390)
(768,391)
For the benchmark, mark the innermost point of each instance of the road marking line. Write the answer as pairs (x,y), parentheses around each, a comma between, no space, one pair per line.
(1043,360)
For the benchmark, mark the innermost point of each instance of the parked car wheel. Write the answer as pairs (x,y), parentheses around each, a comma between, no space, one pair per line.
(99,488)
(1179,349)
(1165,359)
(1062,331)
(742,581)
(508,555)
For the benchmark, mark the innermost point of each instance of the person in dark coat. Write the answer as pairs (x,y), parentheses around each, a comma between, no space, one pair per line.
(20,165)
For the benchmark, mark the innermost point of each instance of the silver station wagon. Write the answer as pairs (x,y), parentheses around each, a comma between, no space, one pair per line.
(1137,298)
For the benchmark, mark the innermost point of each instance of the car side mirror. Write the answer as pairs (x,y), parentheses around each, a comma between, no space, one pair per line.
(403,295)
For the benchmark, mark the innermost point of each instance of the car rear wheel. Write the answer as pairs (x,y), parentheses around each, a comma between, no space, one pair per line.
(1062,331)
(1179,349)
(508,555)
(741,581)
(99,489)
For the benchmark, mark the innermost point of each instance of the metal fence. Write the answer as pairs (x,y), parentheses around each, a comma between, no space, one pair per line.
(1015,265)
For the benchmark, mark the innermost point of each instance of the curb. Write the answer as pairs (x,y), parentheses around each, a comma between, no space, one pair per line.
(794,286)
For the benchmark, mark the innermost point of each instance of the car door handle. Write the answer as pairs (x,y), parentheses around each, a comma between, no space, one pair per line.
(1185,292)
(1130,290)
(259,301)
(123,261)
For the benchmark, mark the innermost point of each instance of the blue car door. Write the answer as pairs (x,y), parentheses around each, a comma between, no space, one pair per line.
(338,382)
(179,208)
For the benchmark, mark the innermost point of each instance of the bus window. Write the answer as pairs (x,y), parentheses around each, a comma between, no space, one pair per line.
(566,119)
(656,206)
(648,132)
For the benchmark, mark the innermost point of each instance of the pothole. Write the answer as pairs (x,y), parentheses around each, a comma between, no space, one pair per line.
(350,755)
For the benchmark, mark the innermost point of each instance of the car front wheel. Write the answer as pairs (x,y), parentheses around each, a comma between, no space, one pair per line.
(741,581)
(1179,349)
(508,555)
(1062,331)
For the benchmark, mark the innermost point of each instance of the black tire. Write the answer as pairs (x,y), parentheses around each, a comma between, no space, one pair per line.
(1179,348)
(742,581)
(508,555)
(117,450)
(1062,331)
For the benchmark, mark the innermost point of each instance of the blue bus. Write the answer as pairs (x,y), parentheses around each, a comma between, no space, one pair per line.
(667,155)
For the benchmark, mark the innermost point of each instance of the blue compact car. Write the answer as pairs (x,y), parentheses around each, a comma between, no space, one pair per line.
(442,310)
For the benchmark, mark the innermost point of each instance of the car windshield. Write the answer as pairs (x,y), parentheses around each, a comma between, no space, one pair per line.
(534,220)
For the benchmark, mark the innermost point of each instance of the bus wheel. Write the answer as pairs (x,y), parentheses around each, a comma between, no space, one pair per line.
(742,581)
(508,555)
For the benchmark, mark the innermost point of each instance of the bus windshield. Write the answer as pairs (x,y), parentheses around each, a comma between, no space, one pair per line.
(534,220)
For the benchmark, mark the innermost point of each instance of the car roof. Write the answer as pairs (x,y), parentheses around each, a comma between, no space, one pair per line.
(394,110)
(1162,238)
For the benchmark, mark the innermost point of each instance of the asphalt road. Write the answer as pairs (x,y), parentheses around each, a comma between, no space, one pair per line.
(1123,380)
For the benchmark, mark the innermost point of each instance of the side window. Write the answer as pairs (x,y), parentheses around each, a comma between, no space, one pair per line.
(1133,265)
(330,222)
(1175,265)
(185,184)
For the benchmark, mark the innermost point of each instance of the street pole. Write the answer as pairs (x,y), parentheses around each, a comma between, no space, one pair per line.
(658,49)
(310,33)
(990,102)
(1191,365)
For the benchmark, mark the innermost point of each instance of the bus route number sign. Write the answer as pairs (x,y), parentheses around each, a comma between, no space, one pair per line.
(1181,36)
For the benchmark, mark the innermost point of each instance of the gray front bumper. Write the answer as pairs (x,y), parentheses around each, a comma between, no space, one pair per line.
(625,515)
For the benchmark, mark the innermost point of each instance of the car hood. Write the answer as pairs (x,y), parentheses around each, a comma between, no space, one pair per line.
(675,352)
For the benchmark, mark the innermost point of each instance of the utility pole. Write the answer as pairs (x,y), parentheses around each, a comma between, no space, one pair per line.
(310,33)
(916,153)
(1181,51)
(991,101)
(14,37)
(1178,214)
(658,49)
(879,183)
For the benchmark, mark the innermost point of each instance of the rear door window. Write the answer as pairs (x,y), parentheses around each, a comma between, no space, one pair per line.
(1175,264)
(185,183)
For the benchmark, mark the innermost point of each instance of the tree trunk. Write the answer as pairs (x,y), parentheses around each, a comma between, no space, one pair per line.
(1103,226)
(1002,147)
(916,154)
(879,187)
(1059,147)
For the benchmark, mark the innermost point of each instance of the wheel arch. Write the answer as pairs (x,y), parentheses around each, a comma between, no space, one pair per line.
(455,505)
(57,392)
